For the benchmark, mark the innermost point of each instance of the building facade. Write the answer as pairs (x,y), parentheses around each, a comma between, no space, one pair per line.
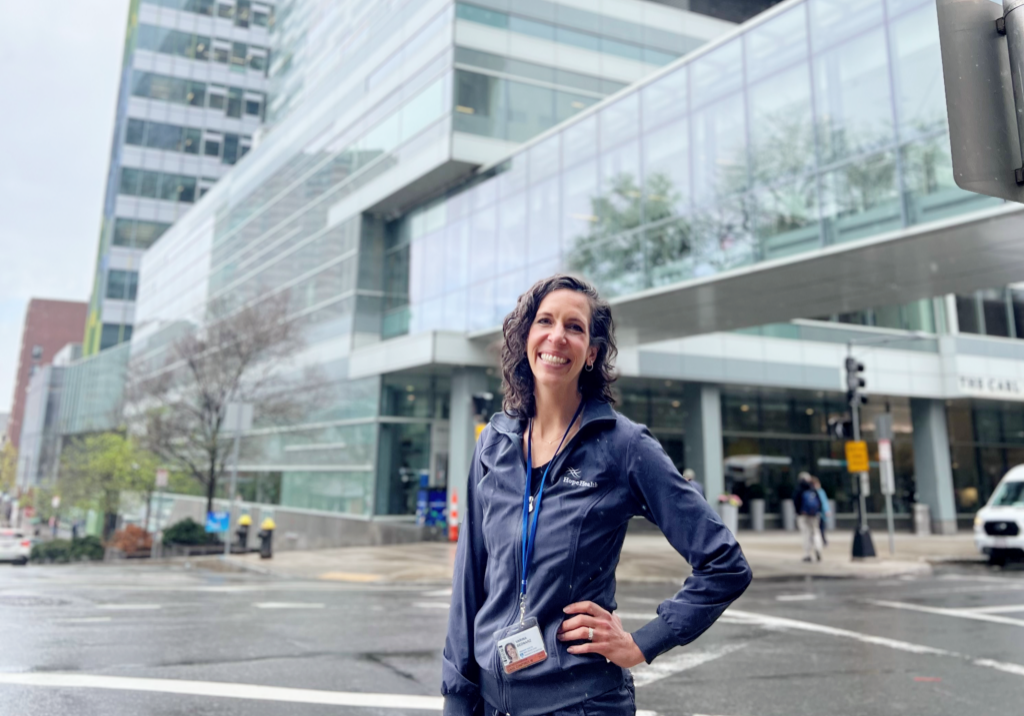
(49,326)
(191,101)
(777,197)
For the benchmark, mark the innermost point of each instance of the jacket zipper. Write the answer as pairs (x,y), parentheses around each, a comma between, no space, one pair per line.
(556,462)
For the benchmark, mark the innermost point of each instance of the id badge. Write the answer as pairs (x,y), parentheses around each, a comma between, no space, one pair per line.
(520,645)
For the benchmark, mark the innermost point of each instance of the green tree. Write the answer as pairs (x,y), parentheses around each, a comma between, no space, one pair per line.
(8,467)
(96,469)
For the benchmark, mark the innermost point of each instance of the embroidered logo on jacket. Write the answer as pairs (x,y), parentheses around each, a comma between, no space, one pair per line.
(574,477)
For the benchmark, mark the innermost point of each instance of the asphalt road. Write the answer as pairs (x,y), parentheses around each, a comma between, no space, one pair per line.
(140,639)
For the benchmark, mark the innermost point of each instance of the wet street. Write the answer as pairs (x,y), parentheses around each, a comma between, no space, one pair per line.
(140,639)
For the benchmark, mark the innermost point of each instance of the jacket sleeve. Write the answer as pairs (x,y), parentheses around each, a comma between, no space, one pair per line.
(720,571)
(460,677)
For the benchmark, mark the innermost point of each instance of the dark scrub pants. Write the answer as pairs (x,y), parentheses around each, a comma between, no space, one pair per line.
(617,702)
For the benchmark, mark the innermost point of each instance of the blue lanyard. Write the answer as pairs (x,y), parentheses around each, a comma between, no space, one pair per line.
(530,526)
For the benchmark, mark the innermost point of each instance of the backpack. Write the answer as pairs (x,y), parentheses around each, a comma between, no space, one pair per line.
(810,503)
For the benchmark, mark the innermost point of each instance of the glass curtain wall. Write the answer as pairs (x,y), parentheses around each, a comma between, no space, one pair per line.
(819,125)
(986,439)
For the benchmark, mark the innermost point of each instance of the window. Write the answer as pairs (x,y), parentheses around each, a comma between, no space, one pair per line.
(234,102)
(967,314)
(261,18)
(191,138)
(242,11)
(157,185)
(138,234)
(37,352)
(252,107)
(110,335)
(122,285)
(239,51)
(258,62)
(134,133)
(211,148)
(179,91)
(230,149)
(225,11)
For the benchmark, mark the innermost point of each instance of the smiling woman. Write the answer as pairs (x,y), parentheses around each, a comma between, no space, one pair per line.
(532,628)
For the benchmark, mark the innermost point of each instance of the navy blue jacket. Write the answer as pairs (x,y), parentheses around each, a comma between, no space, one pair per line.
(612,470)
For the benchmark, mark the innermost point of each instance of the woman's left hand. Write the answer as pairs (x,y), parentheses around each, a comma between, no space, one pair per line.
(610,640)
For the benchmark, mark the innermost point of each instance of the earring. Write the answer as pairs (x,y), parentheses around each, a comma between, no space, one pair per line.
(590,367)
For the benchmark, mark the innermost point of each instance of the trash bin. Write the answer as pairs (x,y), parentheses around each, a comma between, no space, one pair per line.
(922,519)
(266,536)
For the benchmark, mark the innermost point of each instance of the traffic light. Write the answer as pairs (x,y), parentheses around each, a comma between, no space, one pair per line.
(841,428)
(855,382)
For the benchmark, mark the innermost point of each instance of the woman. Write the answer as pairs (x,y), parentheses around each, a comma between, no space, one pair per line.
(555,479)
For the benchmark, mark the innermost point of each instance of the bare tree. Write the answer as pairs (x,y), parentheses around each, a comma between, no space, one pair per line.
(176,403)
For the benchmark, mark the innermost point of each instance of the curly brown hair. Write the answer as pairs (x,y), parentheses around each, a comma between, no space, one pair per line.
(517,378)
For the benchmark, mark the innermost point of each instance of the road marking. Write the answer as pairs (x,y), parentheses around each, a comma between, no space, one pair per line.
(438,593)
(288,605)
(432,605)
(781,623)
(226,690)
(129,607)
(959,613)
(770,622)
(639,616)
(350,577)
(796,597)
(1007,609)
(83,620)
(669,665)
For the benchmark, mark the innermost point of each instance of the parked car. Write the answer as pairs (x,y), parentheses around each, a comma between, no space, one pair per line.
(999,525)
(14,546)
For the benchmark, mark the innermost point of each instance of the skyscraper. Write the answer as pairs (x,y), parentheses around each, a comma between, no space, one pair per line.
(193,94)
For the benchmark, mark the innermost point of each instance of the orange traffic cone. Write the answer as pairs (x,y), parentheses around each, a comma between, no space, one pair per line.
(453,518)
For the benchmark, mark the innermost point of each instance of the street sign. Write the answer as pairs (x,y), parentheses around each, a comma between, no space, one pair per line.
(238,418)
(857,456)
(885,468)
(217,521)
(983,131)
(161,478)
(883,426)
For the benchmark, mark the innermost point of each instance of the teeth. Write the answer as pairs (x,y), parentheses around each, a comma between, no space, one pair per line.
(554,360)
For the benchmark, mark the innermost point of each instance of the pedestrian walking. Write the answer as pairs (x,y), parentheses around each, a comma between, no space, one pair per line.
(826,508)
(808,513)
(691,477)
(554,481)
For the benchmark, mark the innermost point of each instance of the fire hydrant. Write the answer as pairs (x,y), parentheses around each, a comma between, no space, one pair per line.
(244,522)
(266,536)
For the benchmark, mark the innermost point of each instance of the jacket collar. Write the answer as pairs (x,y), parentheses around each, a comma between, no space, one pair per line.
(594,411)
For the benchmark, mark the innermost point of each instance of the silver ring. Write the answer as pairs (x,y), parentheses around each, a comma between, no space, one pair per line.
(590,633)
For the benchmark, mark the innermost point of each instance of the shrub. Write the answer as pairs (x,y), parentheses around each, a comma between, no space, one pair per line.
(57,550)
(87,548)
(132,540)
(62,551)
(188,532)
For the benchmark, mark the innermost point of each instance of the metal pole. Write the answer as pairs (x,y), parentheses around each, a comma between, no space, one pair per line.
(234,481)
(862,544)
(889,524)
(154,549)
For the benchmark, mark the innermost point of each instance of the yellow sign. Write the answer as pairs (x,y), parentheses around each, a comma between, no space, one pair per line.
(479,429)
(857,456)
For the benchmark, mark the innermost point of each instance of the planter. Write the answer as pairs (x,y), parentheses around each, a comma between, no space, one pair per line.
(788,516)
(730,516)
(757,515)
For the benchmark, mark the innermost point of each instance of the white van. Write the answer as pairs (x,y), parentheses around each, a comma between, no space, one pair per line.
(999,525)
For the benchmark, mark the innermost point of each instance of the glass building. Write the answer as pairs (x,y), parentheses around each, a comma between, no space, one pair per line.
(192,98)
(430,160)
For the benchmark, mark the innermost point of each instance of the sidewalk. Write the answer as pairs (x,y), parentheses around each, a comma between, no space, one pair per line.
(645,558)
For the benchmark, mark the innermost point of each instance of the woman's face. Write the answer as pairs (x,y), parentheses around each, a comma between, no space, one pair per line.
(558,346)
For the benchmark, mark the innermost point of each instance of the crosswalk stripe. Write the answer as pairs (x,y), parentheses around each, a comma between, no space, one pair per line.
(225,690)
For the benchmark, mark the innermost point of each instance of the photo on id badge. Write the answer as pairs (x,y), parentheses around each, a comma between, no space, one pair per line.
(520,646)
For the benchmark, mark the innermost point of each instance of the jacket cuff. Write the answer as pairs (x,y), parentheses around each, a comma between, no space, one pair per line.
(655,638)
(460,705)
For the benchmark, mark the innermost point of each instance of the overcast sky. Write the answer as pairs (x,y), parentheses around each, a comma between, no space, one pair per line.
(61,65)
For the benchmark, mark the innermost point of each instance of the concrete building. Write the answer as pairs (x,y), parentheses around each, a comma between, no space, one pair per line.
(779,195)
(49,326)
(192,99)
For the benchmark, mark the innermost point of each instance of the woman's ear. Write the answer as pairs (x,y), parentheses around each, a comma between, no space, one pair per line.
(591,355)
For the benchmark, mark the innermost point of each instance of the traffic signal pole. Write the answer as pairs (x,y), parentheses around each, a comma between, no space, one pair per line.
(863,546)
